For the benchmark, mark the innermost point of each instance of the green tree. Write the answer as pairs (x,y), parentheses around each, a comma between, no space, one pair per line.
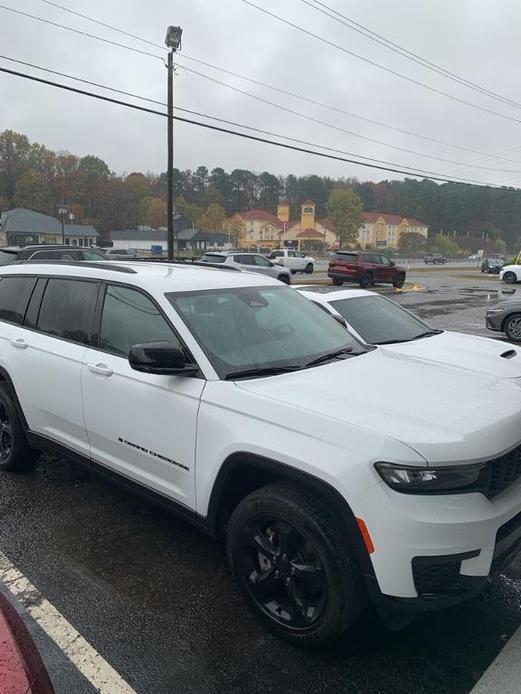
(443,244)
(34,192)
(411,243)
(345,210)
(212,218)
(190,211)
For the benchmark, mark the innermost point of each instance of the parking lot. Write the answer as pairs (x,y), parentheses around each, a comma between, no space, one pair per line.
(153,597)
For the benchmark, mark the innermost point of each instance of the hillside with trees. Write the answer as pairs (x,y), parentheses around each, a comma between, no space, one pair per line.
(34,176)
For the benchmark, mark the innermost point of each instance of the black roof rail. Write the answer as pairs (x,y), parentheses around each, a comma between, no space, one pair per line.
(79,263)
(186,263)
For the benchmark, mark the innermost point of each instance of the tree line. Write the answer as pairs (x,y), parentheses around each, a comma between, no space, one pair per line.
(33,176)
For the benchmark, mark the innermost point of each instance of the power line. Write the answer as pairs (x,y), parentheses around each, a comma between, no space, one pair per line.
(400,50)
(378,65)
(392,169)
(139,38)
(82,33)
(336,127)
(214,118)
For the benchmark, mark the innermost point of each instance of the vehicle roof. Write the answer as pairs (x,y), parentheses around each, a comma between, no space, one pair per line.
(325,294)
(226,253)
(155,277)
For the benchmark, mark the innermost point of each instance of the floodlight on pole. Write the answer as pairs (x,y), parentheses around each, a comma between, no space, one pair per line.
(172,41)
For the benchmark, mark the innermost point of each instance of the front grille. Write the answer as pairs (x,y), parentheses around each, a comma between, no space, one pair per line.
(503,471)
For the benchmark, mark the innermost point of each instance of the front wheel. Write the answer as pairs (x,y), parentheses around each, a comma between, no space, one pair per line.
(367,280)
(15,452)
(510,277)
(308,269)
(512,327)
(284,278)
(293,564)
(399,282)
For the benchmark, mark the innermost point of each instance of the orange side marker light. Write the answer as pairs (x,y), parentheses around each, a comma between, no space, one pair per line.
(365,534)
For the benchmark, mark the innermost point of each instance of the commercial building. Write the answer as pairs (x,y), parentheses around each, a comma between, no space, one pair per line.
(22,227)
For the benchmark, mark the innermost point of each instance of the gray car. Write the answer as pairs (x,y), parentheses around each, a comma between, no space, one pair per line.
(251,262)
(505,316)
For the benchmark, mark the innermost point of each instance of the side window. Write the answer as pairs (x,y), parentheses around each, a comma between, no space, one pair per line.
(291,254)
(246,260)
(31,315)
(131,318)
(67,309)
(260,261)
(15,293)
(385,260)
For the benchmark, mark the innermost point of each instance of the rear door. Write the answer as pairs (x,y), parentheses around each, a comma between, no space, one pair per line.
(140,425)
(385,270)
(45,354)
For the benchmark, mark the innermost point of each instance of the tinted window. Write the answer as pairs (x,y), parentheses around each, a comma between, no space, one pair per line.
(68,308)
(245,259)
(91,255)
(346,257)
(379,320)
(6,258)
(261,261)
(15,293)
(130,318)
(276,254)
(54,255)
(31,315)
(209,258)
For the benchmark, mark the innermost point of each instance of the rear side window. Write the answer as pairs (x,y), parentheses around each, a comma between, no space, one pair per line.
(346,257)
(131,318)
(209,258)
(67,309)
(15,293)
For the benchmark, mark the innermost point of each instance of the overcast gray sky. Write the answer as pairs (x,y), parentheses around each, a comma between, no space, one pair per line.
(477,39)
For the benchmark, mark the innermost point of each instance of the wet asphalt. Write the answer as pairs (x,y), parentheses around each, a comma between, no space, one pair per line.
(154,596)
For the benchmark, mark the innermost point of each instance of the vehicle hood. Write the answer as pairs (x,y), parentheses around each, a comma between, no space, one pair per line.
(466,352)
(446,414)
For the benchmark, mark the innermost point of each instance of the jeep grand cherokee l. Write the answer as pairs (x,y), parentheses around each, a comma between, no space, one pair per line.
(365,268)
(254,415)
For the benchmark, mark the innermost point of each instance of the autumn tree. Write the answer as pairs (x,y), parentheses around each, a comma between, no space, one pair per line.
(212,219)
(190,211)
(411,242)
(153,212)
(235,227)
(345,210)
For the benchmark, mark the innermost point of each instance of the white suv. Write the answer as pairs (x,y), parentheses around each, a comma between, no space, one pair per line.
(292,259)
(339,472)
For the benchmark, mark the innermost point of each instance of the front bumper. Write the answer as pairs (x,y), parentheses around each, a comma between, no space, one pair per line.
(494,321)
(433,552)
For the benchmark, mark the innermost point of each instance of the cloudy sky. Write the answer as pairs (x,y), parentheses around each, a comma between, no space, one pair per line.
(475,39)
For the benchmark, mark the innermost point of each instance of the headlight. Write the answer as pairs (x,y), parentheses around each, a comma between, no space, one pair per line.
(441,480)
(495,310)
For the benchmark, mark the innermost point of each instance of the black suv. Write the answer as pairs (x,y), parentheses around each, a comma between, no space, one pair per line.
(12,254)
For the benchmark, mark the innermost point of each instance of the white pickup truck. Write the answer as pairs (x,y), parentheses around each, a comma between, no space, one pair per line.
(292,259)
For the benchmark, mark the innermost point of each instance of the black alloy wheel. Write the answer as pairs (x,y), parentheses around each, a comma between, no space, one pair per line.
(510,277)
(282,571)
(6,433)
(399,281)
(512,327)
(367,280)
(15,452)
(284,278)
(309,269)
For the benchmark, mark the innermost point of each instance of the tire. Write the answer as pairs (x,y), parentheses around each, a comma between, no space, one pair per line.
(293,272)
(284,278)
(309,269)
(15,453)
(399,282)
(279,517)
(337,283)
(512,327)
(367,280)
(510,277)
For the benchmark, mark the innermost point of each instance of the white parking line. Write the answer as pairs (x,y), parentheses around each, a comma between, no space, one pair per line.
(81,654)
(504,675)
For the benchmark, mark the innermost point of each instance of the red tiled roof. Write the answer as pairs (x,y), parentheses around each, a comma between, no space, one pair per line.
(310,233)
(308,202)
(327,224)
(262,216)
(373,217)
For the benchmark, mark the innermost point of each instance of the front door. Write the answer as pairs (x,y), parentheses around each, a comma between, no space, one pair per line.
(142,426)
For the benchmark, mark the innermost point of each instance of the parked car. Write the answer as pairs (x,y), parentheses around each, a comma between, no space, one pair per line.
(510,273)
(13,254)
(120,253)
(377,320)
(249,262)
(366,268)
(505,316)
(434,259)
(492,265)
(338,472)
(293,259)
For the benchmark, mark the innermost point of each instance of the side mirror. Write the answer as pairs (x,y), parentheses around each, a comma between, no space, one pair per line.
(339,319)
(392,263)
(159,358)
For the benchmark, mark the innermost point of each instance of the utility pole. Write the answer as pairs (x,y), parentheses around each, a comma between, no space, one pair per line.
(62,211)
(173,41)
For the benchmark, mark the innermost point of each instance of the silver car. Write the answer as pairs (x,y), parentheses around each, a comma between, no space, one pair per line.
(505,316)
(251,262)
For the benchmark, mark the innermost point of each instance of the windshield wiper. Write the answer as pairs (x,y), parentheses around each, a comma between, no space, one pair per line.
(262,371)
(330,355)
(427,333)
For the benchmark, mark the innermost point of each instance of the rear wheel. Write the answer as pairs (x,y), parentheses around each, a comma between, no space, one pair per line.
(308,269)
(367,280)
(399,281)
(337,282)
(292,562)
(510,277)
(512,327)
(15,452)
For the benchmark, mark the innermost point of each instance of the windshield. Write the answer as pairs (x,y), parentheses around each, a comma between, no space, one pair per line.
(378,320)
(6,257)
(271,327)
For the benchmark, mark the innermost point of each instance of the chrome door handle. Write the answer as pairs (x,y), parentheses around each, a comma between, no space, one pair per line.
(100,369)
(19,342)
